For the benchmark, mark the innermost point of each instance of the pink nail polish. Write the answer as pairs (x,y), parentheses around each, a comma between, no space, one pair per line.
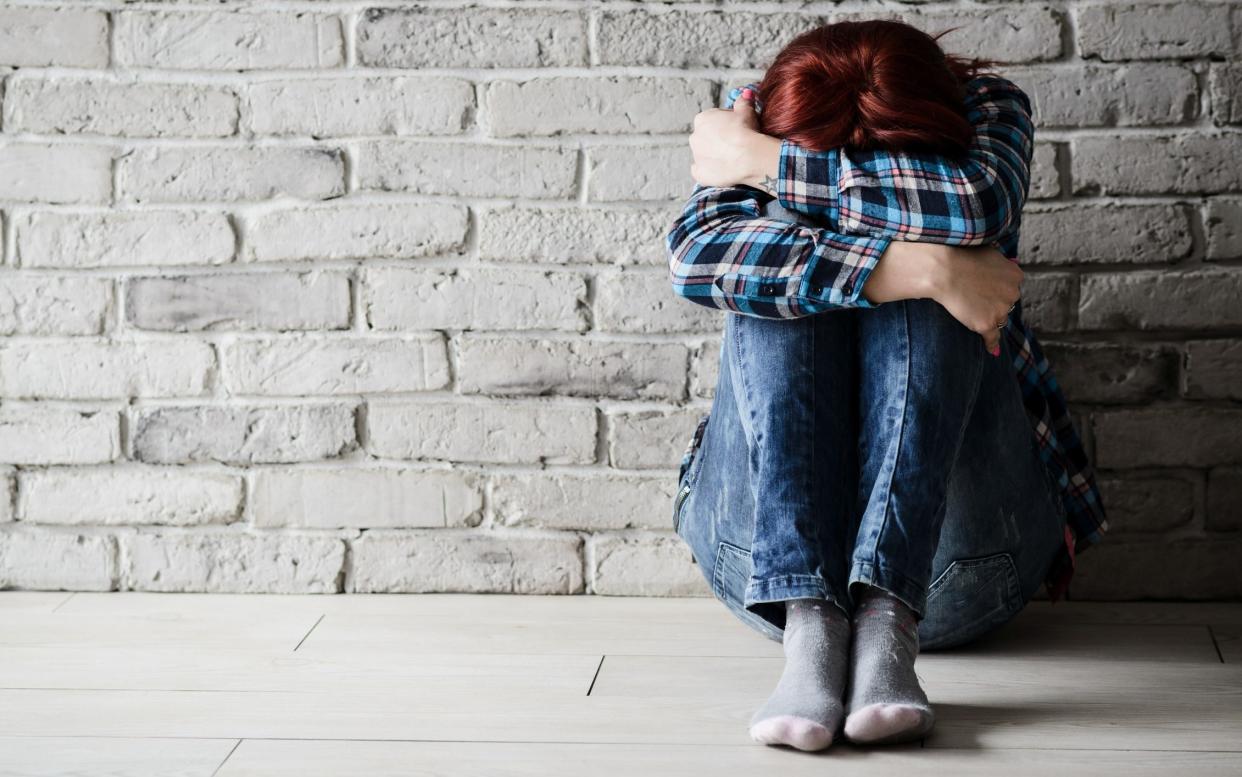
(994,351)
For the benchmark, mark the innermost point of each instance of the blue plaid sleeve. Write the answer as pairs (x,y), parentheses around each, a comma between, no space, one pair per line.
(923,195)
(723,253)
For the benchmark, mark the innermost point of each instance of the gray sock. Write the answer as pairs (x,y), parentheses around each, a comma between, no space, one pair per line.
(806,708)
(886,702)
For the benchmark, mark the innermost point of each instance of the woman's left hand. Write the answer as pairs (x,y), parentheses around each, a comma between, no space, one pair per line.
(724,143)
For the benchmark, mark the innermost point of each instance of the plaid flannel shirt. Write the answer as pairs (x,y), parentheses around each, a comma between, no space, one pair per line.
(723,253)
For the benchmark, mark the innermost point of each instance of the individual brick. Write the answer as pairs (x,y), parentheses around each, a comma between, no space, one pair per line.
(335,107)
(1190,568)
(488,432)
(480,38)
(1153,31)
(577,367)
(1017,32)
(105,370)
(582,502)
(123,238)
(1179,164)
(1213,369)
(1045,176)
(1131,95)
(650,439)
(1224,499)
(1049,301)
(319,498)
(62,173)
(200,174)
(242,434)
(239,301)
(231,562)
(318,366)
(361,230)
(1113,373)
(656,37)
(1167,437)
(705,372)
(8,494)
(563,235)
(466,298)
(53,37)
(129,495)
(644,564)
(54,559)
(36,434)
(41,304)
(464,560)
(135,109)
(650,173)
(1197,299)
(1224,228)
(222,40)
(466,169)
(1139,504)
(1225,87)
(645,302)
(1089,234)
(614,104)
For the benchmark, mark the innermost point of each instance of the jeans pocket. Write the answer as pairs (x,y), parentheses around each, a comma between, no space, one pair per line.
(971,597)
(730,574)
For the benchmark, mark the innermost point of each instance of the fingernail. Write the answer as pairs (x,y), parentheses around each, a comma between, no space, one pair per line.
(747,93)
(994,351)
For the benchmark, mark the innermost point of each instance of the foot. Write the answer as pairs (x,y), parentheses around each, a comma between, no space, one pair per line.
(886,702)
(806,708)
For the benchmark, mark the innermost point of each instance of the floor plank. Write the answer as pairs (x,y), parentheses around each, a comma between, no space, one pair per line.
(115,757)
(170,668)
(996,703)
(14,603)
(274,758)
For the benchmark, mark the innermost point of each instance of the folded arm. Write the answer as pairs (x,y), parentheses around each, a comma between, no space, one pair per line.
(724,253)
(923,196)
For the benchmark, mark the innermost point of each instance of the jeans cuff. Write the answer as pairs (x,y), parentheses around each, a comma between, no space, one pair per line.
(911,594)
(782,587)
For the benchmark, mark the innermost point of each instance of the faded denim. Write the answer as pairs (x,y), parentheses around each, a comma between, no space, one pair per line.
(881,446)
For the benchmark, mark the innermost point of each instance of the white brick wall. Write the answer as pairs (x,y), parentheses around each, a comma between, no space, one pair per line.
(328,296)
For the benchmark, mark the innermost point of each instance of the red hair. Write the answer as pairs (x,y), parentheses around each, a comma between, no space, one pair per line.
(868,85)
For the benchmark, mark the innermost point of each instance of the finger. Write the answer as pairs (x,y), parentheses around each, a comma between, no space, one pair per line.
(991,341)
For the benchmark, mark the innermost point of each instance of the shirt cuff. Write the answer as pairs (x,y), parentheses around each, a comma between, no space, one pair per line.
(807,181)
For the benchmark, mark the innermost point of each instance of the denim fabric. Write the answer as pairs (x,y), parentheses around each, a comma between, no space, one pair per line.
(877,445)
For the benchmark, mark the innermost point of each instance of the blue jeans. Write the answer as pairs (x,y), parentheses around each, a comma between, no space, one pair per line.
(882,446)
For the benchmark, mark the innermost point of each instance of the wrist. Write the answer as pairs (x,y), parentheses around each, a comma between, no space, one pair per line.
(762,162)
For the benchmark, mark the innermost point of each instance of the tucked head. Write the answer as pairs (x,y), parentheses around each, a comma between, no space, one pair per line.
(868,84)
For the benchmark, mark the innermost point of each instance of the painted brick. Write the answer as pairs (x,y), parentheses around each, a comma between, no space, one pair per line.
(466,298)
(582,502)
(37,434)
(652,173)
(241,434)
(359,230)
(1049,301)
(1225,85)
(1189,568)
(1181,164)
(615,104)
(44,304)
(1213,369)
(60,173)
(129,495)
(1131,95)
(105,370)
(57,37)
(644,564)
(211,40)
(691,38)
(1153,31)
(96,106)
(53,559)
(471,561)
(488,432)
(645,302)
(1224,228)
(1091,234)
(621,236)
(467,169)
(322,498)
(201,174)
(1147,504)
(300,365)
(1106,372)
(1167,437)
(1224,499)
(1199,299)
(239,301)
(578,367)
(480,38)
(650,439)
(334,107)
(123,238)
(231,562)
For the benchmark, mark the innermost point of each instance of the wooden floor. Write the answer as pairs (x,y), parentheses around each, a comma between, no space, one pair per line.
(463,685)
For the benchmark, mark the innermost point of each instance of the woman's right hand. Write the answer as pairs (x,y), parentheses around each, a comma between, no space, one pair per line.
(978,285)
